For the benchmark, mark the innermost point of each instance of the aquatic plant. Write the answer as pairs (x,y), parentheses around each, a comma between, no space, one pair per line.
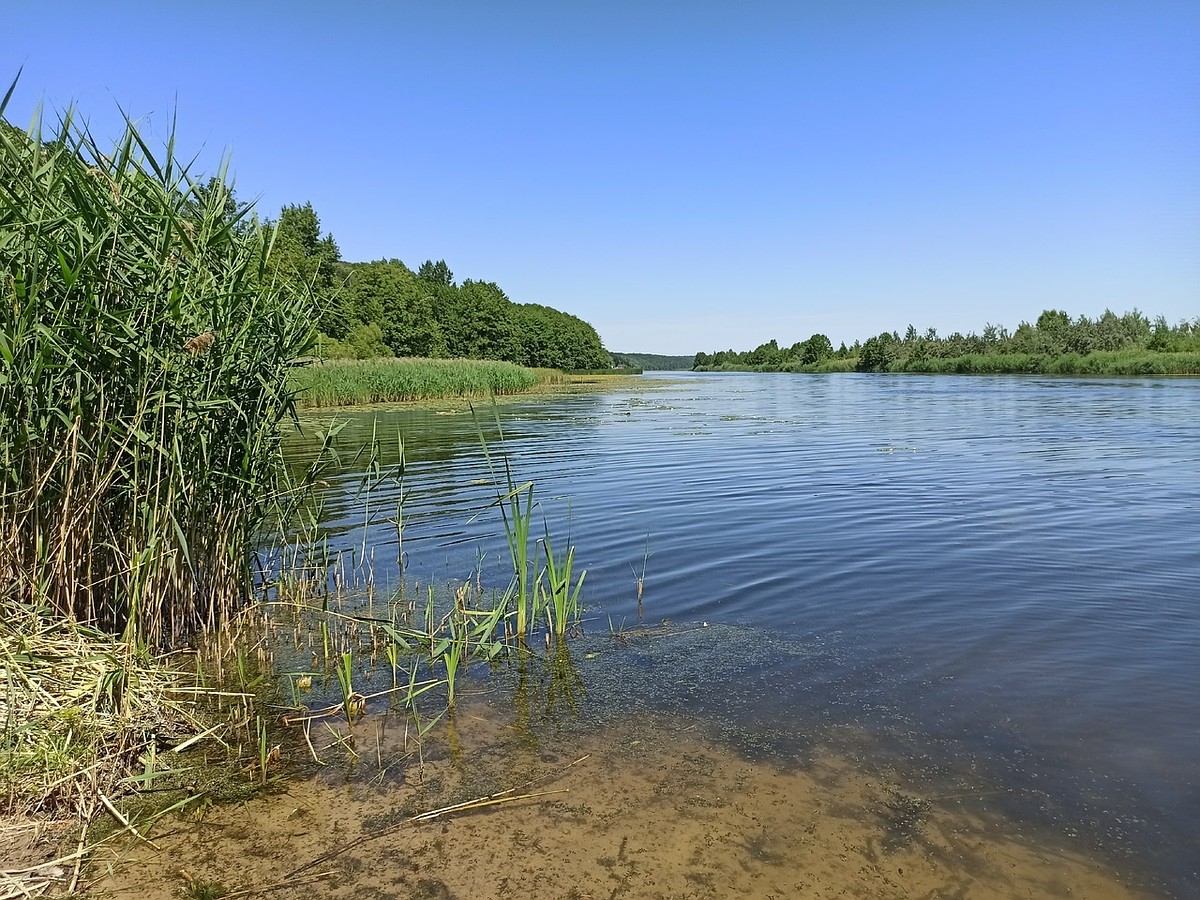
(528,594)
(640,580)
(452,651)
(345,677)
(364,382)
(145,359)
(560,599)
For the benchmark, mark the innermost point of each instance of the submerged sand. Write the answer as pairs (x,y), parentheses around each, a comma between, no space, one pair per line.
(652,808)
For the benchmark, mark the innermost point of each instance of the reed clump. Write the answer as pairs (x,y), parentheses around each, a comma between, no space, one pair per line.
(366,382)
(144,354)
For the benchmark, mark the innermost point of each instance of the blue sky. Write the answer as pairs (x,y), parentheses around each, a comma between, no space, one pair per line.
(688,175)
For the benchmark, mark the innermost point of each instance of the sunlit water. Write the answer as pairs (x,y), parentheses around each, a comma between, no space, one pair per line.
(999,575)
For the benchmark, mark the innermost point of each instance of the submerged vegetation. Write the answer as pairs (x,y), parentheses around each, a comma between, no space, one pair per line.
(1056,344)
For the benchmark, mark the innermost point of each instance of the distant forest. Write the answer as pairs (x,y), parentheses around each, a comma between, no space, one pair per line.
(1110,344)
(652,362)
(384,308)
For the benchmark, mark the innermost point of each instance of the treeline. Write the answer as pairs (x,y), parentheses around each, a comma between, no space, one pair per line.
(652,362)
(809,355)
(1056,343)
(384,308)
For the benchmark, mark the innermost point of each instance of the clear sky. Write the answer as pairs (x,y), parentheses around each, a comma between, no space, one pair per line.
(691,175)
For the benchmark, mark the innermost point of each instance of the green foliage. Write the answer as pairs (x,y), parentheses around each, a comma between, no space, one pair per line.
(878,353)
(354,383)
(531,591)
(436,273)
(815,349)
(560,597)
(144,352)
(1128,344)
(426,314)
(309,262)
(557,340)
(652,362)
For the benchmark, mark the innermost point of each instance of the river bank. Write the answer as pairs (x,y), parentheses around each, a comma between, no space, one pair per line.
(531,790)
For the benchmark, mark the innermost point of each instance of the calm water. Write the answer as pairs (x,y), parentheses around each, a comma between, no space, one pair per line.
(996,574)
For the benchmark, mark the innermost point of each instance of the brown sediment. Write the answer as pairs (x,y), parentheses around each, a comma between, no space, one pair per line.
(655,810)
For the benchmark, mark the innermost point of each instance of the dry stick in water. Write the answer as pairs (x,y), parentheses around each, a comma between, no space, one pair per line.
(108,804)
(250,892)
(489,800)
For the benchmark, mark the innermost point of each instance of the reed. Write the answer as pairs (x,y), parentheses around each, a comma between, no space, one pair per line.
(145,353)
(560,599)
(365,382)
(516,512)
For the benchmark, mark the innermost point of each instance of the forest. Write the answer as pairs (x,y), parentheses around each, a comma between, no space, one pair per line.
(652,362)
(383,308)
(1057,343)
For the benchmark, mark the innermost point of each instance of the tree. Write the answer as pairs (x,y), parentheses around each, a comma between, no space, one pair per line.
(878,353)
(815,349)
(483,326)
(311,262)
(764,354)
(387,294)
(436,273)
(1053,329)
(553,339)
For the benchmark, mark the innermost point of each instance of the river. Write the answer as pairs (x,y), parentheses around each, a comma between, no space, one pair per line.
(993,575)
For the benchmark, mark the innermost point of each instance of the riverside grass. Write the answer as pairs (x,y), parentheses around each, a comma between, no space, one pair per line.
(145,351)
(366,382)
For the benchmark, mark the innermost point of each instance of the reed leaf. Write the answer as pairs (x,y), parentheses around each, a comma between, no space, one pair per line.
(144,364)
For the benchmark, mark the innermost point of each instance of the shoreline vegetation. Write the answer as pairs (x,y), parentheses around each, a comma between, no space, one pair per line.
(151,333)
(393,380)
(1056,344)
(155,337)
(366,382)
(145,350)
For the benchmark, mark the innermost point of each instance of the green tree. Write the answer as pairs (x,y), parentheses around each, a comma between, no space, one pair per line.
(553,339)
(815,349)
(387,293)
(301,255)
(1053,331)
(436,273)
(878,353)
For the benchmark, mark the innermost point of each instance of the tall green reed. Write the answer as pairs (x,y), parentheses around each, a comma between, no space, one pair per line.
(144,358)
(532,591)
(560,599)
(362,382)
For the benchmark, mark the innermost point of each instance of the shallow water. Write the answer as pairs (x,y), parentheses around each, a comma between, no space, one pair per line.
(651,805)
(988,583)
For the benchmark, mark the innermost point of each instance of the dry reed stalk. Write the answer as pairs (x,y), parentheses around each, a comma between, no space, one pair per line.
(500,797)
(481,803)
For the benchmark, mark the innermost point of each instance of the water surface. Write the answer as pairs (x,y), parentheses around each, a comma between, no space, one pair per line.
(990,575)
